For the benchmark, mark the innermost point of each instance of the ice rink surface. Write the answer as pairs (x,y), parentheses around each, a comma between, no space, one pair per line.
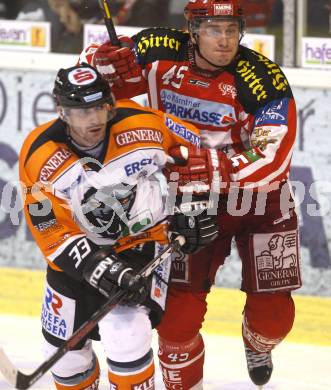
(296,366)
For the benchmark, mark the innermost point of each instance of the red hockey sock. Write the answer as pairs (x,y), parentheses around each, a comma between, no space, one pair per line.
(268,318)
(182,363)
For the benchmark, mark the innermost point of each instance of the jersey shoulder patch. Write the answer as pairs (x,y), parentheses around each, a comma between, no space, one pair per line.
(154,44)
(259,80)
(45,152)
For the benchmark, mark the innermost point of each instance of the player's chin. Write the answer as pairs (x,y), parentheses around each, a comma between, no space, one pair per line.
(95,137)
(223,60)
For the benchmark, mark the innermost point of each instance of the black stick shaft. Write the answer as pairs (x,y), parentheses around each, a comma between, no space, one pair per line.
(24,381)
(105,7)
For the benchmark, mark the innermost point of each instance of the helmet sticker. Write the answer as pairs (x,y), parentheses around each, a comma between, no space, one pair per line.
(81,86)
(92,98)
(223,9)
(208,8)
(82,76)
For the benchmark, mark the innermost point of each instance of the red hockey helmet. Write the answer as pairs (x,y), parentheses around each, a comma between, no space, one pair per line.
(197,10)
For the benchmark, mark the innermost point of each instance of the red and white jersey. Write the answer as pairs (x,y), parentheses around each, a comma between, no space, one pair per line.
(246,110)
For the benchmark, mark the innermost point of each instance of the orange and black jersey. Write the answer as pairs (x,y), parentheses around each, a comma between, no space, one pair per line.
(246,109)
(70,197)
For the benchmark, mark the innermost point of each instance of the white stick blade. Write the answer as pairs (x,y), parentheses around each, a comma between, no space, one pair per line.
(181,240)
(7,368)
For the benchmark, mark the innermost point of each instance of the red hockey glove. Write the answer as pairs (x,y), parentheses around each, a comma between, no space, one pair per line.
(198,170)
(117,64)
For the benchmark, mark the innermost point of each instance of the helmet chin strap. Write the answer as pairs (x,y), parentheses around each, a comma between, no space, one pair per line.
(196,48)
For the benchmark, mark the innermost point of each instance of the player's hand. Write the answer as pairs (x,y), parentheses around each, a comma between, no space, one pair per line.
(106,272)
(117,64)
(198,170)
(192,220)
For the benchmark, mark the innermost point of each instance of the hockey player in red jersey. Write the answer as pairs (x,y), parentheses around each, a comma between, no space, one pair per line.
(96,206)
(244,107)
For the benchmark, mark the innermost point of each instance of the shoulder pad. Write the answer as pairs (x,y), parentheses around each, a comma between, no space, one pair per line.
(259,80)
(45,144)
(160,44)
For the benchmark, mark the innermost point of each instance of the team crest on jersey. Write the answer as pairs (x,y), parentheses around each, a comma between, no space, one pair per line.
(228,90)
(107,209)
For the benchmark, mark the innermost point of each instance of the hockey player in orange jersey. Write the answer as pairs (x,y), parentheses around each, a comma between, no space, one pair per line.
(244,107)
(95,201)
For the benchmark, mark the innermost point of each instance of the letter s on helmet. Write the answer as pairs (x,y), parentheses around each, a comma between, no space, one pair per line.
(197,10)
(81,86)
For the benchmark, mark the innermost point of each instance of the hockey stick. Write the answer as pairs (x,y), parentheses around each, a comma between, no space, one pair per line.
(23,381)
(105,7)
